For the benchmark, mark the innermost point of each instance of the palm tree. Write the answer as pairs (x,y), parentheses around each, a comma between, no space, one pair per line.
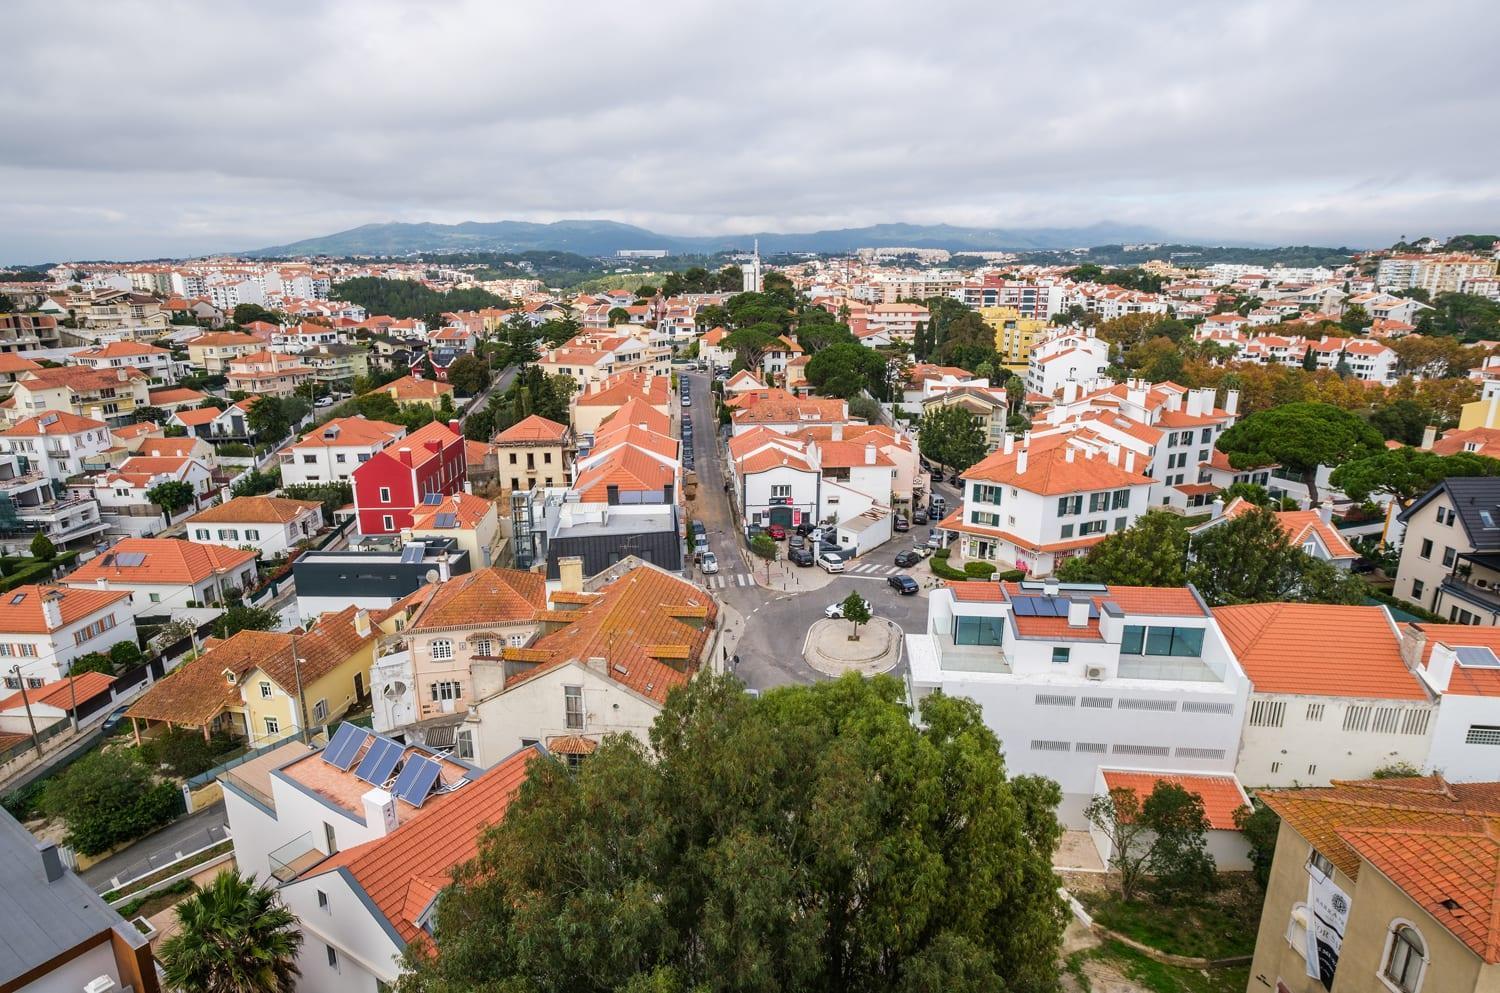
(233,936)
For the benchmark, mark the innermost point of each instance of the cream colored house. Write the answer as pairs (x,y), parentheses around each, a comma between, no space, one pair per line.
(534,452)
(1382,886)
(471,521)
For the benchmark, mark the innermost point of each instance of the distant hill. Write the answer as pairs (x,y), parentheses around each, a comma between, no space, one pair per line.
(596,238)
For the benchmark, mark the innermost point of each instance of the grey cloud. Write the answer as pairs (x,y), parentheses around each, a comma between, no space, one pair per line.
(162,128)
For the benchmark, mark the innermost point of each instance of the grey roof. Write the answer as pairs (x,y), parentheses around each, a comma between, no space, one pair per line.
(1477,501)
(42,919)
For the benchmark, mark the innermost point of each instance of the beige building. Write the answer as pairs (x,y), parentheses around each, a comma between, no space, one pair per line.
(989,405)
(1450,553)
(534,452)
(471,521)
(108,395)
(1382,886)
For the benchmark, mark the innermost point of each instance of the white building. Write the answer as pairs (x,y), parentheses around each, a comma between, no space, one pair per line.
(56,443)
(273,526)
(1074,678)
(1457,662)
(153,361)
(331,453)
(1028,506)
(1330,695)
(1069,357)
(167,574)
(44,628)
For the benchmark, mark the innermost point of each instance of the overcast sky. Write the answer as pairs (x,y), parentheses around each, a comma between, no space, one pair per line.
(144,129)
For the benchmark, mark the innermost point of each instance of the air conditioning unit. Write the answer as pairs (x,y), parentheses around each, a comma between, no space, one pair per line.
(1094,672)
(103,984)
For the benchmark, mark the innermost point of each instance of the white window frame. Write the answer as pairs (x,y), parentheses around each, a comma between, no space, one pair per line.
(442,650)
(265,689)
(1385,956)
(272,725)
(1296,930)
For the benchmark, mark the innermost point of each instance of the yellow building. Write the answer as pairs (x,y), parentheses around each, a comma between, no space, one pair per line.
(265,685)
(471,521)
(1014,335)
(1482,413)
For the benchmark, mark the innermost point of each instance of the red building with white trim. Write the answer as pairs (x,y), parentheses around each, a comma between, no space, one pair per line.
(394,480)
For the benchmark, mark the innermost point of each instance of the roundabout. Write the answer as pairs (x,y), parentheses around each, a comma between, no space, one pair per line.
(830,650)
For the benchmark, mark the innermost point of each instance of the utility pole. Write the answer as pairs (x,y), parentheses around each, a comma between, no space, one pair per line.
(26,701)
(301,699)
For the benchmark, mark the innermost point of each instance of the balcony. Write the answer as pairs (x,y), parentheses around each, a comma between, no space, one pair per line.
(295,857)
(1181,670)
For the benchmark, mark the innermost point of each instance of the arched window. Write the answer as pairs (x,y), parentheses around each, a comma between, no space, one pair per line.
(1296,929)
(1405,958)
(442,649)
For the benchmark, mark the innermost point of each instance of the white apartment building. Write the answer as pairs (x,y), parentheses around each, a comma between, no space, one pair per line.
(1331,697)
(153,361)
(1072,678)
(331,453)
(55,444)
(1028,506)
(1067,357)
(1435,273)
(44,628)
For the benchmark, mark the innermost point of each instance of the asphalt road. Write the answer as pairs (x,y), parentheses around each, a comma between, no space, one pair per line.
(776,621)
(197,830)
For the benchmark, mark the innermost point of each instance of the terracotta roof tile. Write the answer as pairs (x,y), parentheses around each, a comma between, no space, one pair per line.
(164,560)
(21,608)
(1319,650)
(254,510)
(533,430)
(1049,472)
(63,692)
(488,596)
(1221,795)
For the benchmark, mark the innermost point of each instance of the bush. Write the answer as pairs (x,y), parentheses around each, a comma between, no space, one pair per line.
(979,570)
(125,655)
(1011,576)
(234,450)
(109,797)
(92,662)
(942,569)
(185,752)
(42,548)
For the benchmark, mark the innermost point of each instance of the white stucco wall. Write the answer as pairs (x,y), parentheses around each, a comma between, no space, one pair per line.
(1308,750)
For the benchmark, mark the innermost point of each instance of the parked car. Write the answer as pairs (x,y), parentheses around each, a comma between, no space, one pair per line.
(901,523)
(802,556)
(114,717)
(908,559)
(919,516)
(836,610)
(777,532)
(807,527)
(795,540)
(922,550)
(903,584)
(323,402)
(709,563)
(687,401)
(829,562)
(700,543)
(934,540)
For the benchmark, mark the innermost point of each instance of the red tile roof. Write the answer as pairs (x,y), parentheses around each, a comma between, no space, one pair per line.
(254,510)
(533,430)
(53,422)
(21,608)
(488,596)
(1050,472)
(1317,649)
(351,432)
(403,872)
(1221,795)
(62,693)
(164,560)
(468,511)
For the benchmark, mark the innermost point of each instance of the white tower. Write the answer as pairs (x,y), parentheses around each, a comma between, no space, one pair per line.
(752,271)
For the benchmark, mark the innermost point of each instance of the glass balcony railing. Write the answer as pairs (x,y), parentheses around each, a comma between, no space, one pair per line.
(295,857)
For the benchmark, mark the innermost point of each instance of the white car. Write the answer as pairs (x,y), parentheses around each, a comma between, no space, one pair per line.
(829,562)
(323,402)
(709,563)
(836,610)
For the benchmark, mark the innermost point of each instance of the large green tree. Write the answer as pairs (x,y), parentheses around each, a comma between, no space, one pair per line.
(1402,420)
(951,437)
(108,797)
(816,838)
(1151,552)
(1251,559)
(844,369)
(1299,437)
(171,496)
(233,936)
(1406,473)
(469,375)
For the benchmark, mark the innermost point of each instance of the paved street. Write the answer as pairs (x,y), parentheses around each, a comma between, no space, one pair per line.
(197,830)
(777,618)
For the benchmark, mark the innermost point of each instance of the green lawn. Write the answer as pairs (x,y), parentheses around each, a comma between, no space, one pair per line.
(1217,926)
(1156,976)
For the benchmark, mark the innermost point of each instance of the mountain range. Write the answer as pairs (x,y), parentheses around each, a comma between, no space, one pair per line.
(599,238)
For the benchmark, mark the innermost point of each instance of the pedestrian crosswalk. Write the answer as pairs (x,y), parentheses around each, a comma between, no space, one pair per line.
(724,580)
(872,569)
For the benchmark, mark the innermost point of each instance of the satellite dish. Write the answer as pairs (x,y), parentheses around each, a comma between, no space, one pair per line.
(432,575)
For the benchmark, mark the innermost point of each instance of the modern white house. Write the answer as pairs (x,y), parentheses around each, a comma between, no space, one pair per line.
(1075,677)
(56,443)
(1458,663)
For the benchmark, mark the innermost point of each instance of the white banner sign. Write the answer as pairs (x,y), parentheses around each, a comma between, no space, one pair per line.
(1329,915)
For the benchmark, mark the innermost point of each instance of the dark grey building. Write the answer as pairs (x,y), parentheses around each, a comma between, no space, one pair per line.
(373,578)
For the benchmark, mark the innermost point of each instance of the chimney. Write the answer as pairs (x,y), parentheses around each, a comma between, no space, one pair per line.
(1216,510)
(1021,462)
(1068,452)
(1078,613)
(838,432)
(1429,437)
(404,455)
(1194,404)
(1413,643)
(362,623)
(570,573)
(1111,622)
(445,572)
(869,454)
(1130,462)
(1112,452)
(380,812)
(455,427)
(102,582)
(1325,512)
(433,445)
(52,864)
(1050,586)
(1008,442)
(1232,402)
(1440,667)
(52,608)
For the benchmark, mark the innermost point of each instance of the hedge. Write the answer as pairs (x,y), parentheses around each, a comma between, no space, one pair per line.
(942,569)
(979,570)
(32,571)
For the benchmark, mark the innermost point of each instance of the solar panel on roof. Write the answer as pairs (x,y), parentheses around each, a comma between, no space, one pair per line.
(1024,606)
(344,746)
(1477,657)
(376,767)
(130,559)
(417,779)
(446,520)
(412,553)
(432,499)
